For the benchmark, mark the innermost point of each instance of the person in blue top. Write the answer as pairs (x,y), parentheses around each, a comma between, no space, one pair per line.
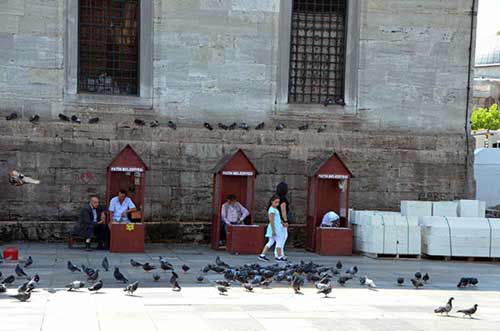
(275,230)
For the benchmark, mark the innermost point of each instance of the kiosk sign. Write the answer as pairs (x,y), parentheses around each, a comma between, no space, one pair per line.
(127,169)
(237,173)
(332,176)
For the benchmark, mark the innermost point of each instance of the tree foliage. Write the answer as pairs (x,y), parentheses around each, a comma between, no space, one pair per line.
(485,118)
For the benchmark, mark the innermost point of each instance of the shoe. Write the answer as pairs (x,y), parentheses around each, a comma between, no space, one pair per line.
(263,258)
(284,258)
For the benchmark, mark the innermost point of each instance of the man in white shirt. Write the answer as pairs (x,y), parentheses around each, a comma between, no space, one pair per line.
(120,206)
(233,213)
(330,220)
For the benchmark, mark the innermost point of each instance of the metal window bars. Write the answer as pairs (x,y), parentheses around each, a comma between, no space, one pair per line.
(317,51)
(108,47)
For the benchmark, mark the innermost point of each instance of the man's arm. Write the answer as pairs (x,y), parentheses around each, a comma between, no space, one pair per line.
(130,208)
(244,212)
(223,214)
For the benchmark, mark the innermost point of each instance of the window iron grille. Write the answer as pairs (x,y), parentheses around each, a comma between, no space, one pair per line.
(317,52)
(108,47)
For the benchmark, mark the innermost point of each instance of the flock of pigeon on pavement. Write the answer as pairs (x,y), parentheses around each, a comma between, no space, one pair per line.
(246,275)
(170,124)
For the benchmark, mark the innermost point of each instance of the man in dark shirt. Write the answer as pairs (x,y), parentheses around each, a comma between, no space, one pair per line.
(92,222)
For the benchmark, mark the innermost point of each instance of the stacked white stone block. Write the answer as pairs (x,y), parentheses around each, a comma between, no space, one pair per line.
(380,233)
(471,208)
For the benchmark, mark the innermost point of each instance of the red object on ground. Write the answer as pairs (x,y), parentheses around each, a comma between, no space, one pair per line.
(11,254)
(127,238)
(234,174)
(334,241)
(245,239)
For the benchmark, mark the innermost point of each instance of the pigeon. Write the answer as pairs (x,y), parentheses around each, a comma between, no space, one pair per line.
(325,289)
(175,286)
(64,118)
(233,126)
(72,267)
(154,124)
(105,263)
(464,282)
(222,126)
(9,280)
(94,120)
(185,268)
(139,122)
(119,276)
(29,261)
(418,275)
(208,126)
(321,129)
(426,278)
(445,309)
(18,179)
(75,285)
(297,282)
(339,101)
(248,287)
(327,101)
(338,265)
(260,126)
(266,283)
(280,127)
(352,270)
(370,283)
(468,312)
(304,127)
(222,290)
(172,125)
(156,277)
(473,281)
(23,288)
(35,278)
(166,266)
(148,267)
(131,288)
(20,272)
(200,278)
(96,286)
(221,263)
(11,116)
(244,126)
(417,283)
(135,264)
(174,275)
(23,297)
(342,280)
(362,280)
(93,276)
(3,288)
(75,119)
(224,283)
(34,119)
(400,281)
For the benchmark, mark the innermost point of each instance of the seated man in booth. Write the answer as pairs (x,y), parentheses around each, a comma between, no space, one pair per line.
(330,220)
(232,213)
(120,207)
(92,222)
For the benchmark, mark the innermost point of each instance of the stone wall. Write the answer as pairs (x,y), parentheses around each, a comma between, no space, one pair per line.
(71,161)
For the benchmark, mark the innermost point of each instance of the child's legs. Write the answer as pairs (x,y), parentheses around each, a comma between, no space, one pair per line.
(280,242)
(269,244)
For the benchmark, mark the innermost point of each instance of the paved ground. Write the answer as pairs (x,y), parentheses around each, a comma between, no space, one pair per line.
(199,307)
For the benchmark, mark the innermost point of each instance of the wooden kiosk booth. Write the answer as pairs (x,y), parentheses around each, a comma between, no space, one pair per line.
(127,171)
(235,174)
(328,190)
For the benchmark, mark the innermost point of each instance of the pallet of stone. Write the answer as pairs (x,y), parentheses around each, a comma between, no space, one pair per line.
(445,208)
(393,256)
(458,237)
(386,233)
(416,208)
(471,208)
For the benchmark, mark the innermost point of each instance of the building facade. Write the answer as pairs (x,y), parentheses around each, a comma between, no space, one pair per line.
(388,80)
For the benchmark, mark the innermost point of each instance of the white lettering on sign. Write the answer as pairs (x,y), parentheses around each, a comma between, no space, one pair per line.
(237,173)
(127,169)
(332,176)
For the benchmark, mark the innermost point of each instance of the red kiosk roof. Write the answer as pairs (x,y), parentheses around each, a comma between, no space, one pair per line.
(127,158)
(329,163)
(236,161)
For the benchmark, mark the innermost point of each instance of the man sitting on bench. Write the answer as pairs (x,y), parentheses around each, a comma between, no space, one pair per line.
(232,213)
(92,222)
(120,207)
